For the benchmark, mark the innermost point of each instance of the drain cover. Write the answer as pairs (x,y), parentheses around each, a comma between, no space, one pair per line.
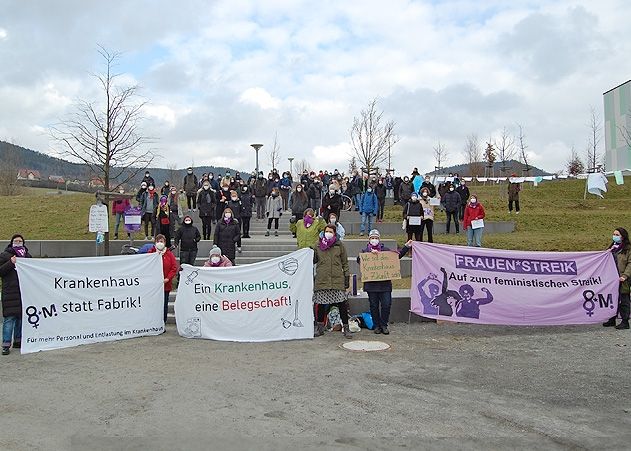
(365,346)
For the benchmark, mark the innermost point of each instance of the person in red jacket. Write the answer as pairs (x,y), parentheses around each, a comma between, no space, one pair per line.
(119,206)
(169,269)
(473,221)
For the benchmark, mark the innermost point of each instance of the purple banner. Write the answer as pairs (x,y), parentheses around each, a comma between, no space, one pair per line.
(133,217)
(491,286)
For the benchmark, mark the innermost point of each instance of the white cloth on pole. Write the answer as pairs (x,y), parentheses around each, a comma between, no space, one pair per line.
(597,183)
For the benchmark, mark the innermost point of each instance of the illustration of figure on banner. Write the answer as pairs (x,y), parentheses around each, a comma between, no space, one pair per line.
(468,307)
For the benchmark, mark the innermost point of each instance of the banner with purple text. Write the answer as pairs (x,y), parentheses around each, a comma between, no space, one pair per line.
(492,286)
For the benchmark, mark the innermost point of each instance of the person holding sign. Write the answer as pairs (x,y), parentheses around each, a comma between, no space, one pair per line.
(380,291)
(621,249)
(11,297)
(331,279)
(473,221)
(412,218)
(169,269)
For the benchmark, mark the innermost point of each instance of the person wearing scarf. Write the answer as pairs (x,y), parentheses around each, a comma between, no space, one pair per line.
(473,211)
(227,234)
(620,248)
(307,230)
(380,292)
(169,269)
(216,260)
(11,297)
(331,279)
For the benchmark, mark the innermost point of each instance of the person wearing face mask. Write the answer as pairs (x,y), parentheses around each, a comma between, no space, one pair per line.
(166,188)
(260,193)
(368,208)
(513,194)
(189,185)
(148,179)
(119,206)
(339,228)
(187,237)
(11,297)
(174,208)
(273,211)
(472,212)
(405,190)
(331,279)
(247,199)
(216,260)
(206,205)
(169,269)
(299,203)
(380,192)
(331,203)
(620,248)
(307,230)
(428,215)
(451,200)
(463,191)
(149,206)
(236,206)
(227,234)
(163,218)
(271,184)
(429,185)
(413,217)
(314,193)
(380,292)
(141,190)
(356,189)
(285,188)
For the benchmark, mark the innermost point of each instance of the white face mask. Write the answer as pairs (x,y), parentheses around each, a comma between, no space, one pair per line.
(374,241)
(331,192)
(234,199)
(160,245)
(122,191)
(473,200)
(206,187)
(328,235)
(228,215)
(333,220)
(298,189)
(187,222)
(215,259)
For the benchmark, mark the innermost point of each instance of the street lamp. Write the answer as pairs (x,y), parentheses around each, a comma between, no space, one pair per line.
(291,166)
(256,149)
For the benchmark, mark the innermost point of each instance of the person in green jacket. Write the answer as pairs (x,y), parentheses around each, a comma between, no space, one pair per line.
(307,230)
(331,279)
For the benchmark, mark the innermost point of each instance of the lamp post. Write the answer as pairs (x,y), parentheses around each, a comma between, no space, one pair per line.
(256,149)
(291,166)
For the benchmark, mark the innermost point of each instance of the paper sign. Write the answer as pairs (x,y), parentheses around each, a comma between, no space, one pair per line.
(98,220)
(414,220)
(379,266)
(477,224)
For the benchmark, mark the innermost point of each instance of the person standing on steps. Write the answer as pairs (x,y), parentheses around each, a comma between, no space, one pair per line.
(314,192)
(11,296)
(299,204)
(187,238)
(246,210)
(368,208)
(380,192)
(428,215)
(163,219)
(620,247)
(227,235)
(474,211)
(339,228)
(169,268)
(206,204)
(331,204)
(331,279)
(189,185)
(273,211)
(236,206)
(452,201)
(307,230)
(513,194)
(285,188)
(260,193)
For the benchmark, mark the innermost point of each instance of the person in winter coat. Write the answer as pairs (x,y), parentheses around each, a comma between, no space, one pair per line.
(314,193)
(299,203)
(285,188)
(463,191)
(451,201)
(396,184)
(621,249)
(380,293)
(472,212)
(273,211)
(163,218)
(174,208)
(206,205)
(368,207)
(149,207)
(428,216)
(166,188)
(246,210)
(331,279)
(169,269)
(141,190)
(429,185)
(227,234)
(405,190)
(413,218)
(236,206)
(380,192)
(187,238)
(119,206)
(513,195)
(307,230)
(356,189)
(190,187)
(216,260)
(331,204)
(272,182)
(221,199)
(148,179)
(260,192)
(11,297)
(339,228)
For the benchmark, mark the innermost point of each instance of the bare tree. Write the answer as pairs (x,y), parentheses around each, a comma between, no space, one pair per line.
(106,134)
(473,155)
(352,165)
(523,155)
(371,140)
(303,165)
(9,173)
(440,155)
(574,164)
(172,171)
(274,153)
(505,147)
(593,141)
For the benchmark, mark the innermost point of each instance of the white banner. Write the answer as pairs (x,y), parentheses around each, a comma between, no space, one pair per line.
(265,301)
(72,301)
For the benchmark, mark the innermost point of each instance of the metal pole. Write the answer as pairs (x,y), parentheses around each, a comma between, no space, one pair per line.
(256,149)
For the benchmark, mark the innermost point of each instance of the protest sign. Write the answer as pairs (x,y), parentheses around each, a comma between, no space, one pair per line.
(98,220)
(379,266)
(133,219)
(491,286)
(264,301)
(72,301)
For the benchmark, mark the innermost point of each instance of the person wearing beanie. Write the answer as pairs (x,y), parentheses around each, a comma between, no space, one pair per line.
(163,218)
(187,238)
(227,234)
(169,269)
(216,259)
(11,297)
(380,292)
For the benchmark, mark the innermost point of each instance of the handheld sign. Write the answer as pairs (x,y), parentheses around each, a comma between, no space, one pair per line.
(379,266)
(98,220)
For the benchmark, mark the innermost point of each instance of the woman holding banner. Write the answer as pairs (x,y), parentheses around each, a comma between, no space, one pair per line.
(331,279)
(473,221)
(621,249)
(169,269)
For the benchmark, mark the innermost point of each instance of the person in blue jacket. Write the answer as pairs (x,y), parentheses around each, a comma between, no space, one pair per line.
(368,207)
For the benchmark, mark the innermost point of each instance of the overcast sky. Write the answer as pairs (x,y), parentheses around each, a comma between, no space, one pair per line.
(221,75)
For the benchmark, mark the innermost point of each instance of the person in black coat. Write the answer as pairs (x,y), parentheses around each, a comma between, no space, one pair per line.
(235,205)
(206,205)
(331,204)
(227,235)
(451,200)
(380,192)
(429,185)
(463,191)
(187,238)
(11,297)
(247,201)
